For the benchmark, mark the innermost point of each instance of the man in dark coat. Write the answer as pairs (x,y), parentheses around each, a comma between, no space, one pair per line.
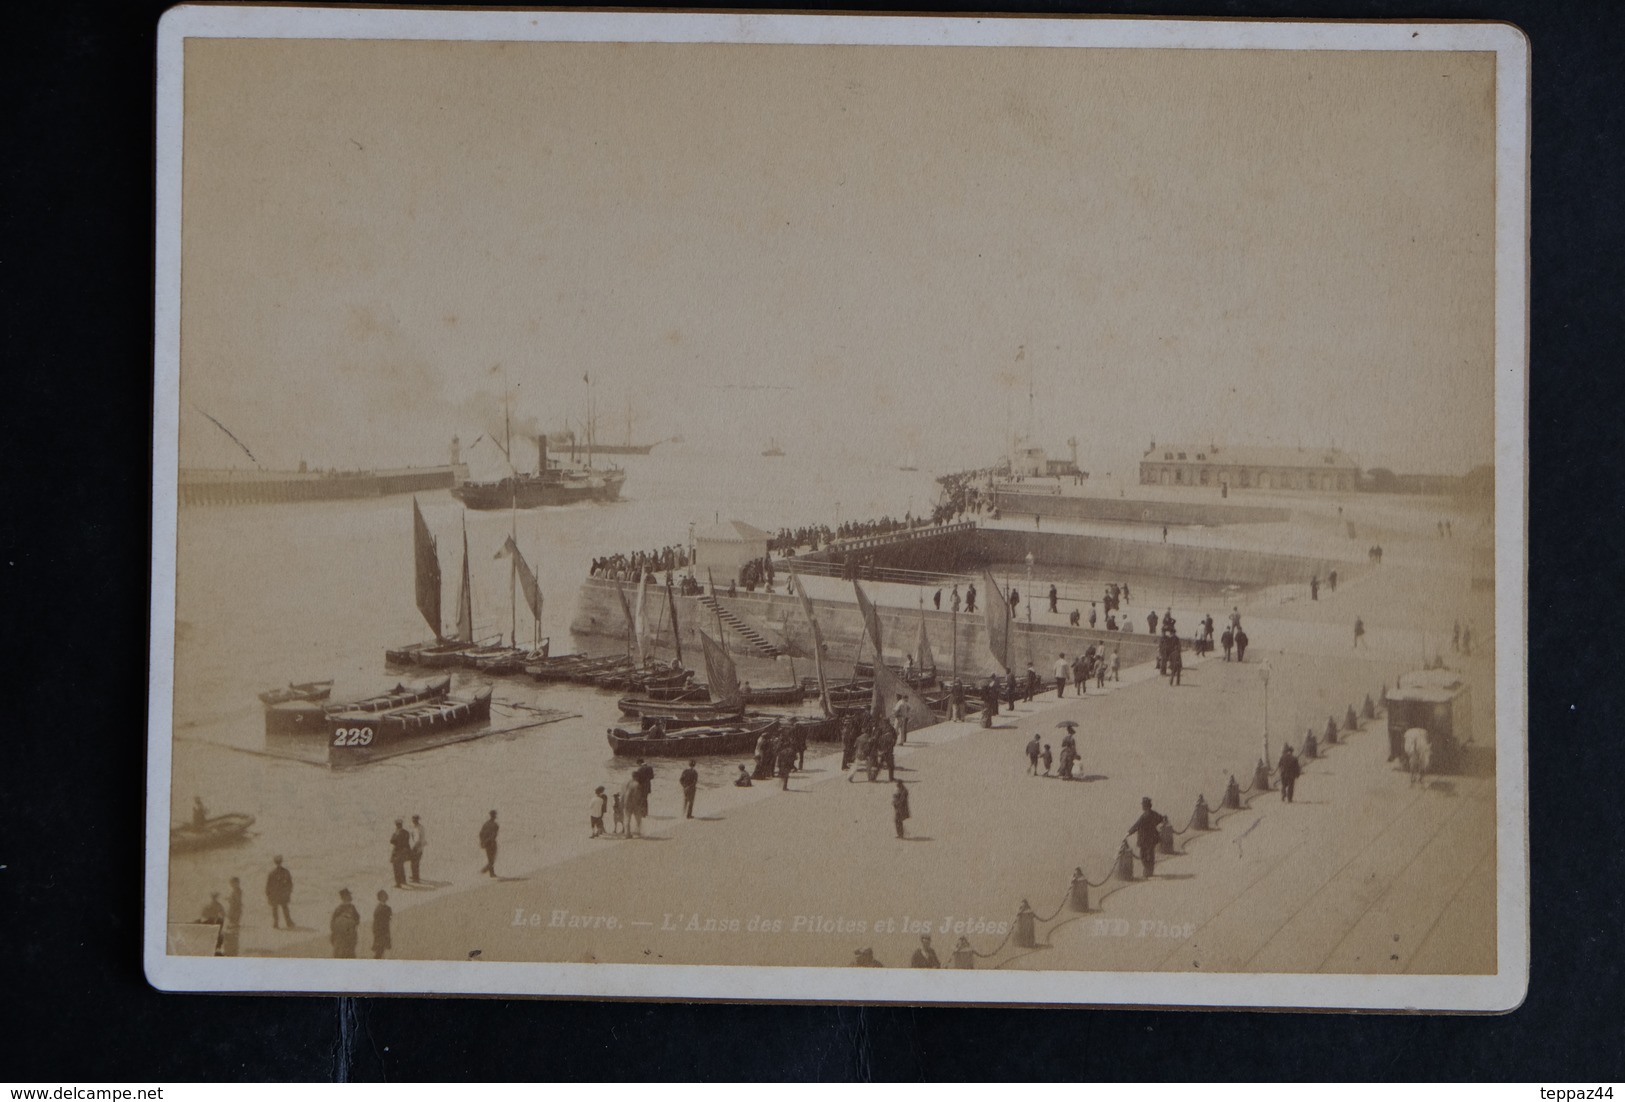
(1146,830)
(1054,595)
(1241,645)
(488,842)
(1289,768)
(899,807)
(925,956)
(400,852)
(956,699)
(381,916)
(990,701)
(279,893)
(970,598)
(849,740)
(342,927)
(787,764)
(689,780)
(1227,640)
(886,748)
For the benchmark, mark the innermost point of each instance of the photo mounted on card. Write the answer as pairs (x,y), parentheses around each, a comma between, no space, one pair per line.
(839,508)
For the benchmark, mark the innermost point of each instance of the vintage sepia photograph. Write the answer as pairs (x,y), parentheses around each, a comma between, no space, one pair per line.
(851,508)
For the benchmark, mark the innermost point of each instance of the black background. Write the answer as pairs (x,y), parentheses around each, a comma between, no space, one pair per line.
(75,275)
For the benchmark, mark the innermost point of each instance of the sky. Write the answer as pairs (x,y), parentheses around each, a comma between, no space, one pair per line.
(855,250)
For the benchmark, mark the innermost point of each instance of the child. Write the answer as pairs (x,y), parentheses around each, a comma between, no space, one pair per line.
(1049,759)
(620,815)
(595,811)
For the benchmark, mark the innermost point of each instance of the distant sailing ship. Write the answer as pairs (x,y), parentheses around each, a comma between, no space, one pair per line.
(908,463)
(773,451)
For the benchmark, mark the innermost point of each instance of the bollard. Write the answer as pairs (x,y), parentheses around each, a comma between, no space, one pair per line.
(1232,794)
(1026,920)
(1261,776)
(1125,862)
(1311,748)
(1165,837)
(1080,891)
(1350,723)
(964,955)
(1199,817)
(1368,710)
(1330,738)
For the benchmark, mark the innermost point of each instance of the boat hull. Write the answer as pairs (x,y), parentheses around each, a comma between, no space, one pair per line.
(691,742)
(531,491)
(222,830)
(299,717)
(356,736)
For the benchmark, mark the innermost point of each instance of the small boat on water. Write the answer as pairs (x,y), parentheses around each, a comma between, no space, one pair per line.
(302,690)
(219,830)
(689,742)
(919,679)
(559,667)
(353,733)
(776,696)
(773,451)
(309,716)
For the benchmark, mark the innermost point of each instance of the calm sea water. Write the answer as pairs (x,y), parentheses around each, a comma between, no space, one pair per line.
(270,594)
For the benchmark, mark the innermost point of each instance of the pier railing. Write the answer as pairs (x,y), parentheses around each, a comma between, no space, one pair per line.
(890,539)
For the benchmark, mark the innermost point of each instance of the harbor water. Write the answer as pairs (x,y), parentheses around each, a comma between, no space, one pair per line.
(272,594)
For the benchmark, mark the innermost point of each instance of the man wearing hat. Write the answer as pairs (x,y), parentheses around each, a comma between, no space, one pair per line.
(400,852)
(1146,830)
(899,715)
(925,956)
(279,893)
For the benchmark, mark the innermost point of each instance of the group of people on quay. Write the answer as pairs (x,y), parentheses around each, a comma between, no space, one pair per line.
(631,568)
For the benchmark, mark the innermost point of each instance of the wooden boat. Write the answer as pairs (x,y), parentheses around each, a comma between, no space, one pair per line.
(689,742)
(559,667)
(303,690)
(352,731)
(774,697)
(217,831)
(634,704)
(426,584)
(814,728)
(919,679)
(702,715)
(589,675)
(306,716)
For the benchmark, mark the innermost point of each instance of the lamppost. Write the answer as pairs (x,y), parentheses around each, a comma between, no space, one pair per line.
(1264,675)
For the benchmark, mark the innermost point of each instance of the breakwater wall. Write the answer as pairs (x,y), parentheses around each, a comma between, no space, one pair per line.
(235,487)
(964,550)
(1027,503)
(601,625)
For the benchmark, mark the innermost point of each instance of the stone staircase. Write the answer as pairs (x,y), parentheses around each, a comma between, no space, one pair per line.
(758,642)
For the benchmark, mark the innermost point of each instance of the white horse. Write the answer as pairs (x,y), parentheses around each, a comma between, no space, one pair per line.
(1418,749)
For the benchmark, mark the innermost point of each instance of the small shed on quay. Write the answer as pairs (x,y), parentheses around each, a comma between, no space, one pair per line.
(724,549)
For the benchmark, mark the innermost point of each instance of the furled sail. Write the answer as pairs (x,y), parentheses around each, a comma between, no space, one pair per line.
(465,598)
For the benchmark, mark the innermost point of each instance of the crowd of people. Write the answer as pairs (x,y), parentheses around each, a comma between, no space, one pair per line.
(632,567)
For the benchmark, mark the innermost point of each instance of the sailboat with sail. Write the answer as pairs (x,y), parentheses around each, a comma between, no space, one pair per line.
(773,451)
(426,586)
(909,463)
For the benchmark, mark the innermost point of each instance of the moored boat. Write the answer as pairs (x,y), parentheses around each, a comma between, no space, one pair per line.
(687,742)
(301,690)
(306,716)
(353,734)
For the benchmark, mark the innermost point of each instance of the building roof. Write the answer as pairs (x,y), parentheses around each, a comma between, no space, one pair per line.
(731,531)
(1250,455)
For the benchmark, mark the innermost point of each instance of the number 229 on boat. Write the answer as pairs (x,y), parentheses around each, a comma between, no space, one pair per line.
(352,736)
